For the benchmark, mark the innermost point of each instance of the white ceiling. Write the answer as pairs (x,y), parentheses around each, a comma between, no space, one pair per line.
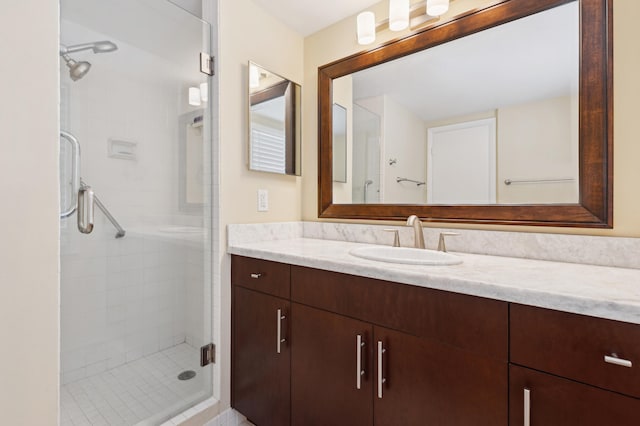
(309,16)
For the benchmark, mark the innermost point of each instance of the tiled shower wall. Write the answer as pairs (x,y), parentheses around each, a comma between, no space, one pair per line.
(125,298)
(122,299)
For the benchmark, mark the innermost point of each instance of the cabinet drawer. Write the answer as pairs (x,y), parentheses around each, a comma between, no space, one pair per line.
(554,401)
(261,275)
(575,346)
(466,322)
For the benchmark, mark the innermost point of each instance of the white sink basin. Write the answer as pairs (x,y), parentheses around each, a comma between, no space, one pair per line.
(406,255)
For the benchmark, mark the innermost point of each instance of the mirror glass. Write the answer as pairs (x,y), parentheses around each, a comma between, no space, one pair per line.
(339,143)
(274,122)
(490,118)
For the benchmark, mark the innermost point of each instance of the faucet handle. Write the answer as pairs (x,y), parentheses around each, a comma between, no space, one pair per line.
(396,237)
(441,245)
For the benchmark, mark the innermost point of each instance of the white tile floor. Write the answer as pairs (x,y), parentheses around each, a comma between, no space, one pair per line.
(229,417)
(133,393)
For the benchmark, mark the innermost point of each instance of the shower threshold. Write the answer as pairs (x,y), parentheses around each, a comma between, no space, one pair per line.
(145,391)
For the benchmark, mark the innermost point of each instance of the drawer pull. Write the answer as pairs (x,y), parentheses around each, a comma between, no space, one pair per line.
(381,379)
(256,276)
(359,369)
(617,361)
(527,407)
(279,337)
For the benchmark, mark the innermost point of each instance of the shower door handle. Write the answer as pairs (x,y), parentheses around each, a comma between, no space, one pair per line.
(85,209)
(75,173)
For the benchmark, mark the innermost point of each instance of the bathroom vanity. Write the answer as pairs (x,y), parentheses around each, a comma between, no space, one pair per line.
(323,338)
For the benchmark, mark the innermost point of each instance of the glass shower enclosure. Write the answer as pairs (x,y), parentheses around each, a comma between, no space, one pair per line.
(135,227)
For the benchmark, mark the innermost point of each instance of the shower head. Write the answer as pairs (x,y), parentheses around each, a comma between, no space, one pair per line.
(77,70)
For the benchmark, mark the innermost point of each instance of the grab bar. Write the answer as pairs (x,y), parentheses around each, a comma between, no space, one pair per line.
(510,181)
(121,232)
(417,182)
(75,173)
(85,209)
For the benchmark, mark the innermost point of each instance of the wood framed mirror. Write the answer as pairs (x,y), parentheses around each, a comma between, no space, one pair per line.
(592,204)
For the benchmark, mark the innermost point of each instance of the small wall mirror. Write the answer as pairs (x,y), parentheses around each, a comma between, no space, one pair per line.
(274,122)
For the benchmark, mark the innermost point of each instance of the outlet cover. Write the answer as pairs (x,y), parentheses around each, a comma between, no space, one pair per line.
(263,200)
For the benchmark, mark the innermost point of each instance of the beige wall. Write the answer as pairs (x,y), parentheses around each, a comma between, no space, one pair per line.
(405,140)
(29,214)
(338,41)
(247,32)
(538,140)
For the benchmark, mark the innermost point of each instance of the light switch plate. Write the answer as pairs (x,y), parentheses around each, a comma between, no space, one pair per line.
(263,200)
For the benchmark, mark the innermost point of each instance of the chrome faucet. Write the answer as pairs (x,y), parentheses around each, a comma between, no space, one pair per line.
(418,237)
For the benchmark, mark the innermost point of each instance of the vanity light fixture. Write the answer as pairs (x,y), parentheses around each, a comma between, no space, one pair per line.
(194,96)
(366,28)
(197,95)
(401,16)
(398,14)
(437,7)
(254,77)
(204,92)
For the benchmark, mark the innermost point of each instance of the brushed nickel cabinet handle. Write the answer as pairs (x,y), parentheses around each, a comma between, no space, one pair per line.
(359,369)
(527,407)
(613,359)
(381,380)
(279,331)
(256,276)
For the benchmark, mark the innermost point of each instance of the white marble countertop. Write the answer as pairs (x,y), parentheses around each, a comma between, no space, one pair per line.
(600,291)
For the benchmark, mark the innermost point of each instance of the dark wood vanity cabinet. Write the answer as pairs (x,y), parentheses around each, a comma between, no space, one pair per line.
(430,383)
(443,356)
(261,355)
(324,379)
(570,369)
(313,347)
(369,352)
(557,401)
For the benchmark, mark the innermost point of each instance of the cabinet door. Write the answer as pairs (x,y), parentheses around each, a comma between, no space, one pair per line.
(554,401)
(261,361)
(324,369)
(424,382)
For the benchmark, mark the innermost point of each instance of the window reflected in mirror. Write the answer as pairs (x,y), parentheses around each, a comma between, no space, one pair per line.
(274,122)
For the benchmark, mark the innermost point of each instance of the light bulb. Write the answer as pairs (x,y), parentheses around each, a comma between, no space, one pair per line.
(254,77)
(437,7)
(398,14)
(204,92)
(194,96)
(366,28)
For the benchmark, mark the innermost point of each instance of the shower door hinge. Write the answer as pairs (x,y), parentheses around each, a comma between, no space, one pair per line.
(207,354)
(207,64)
